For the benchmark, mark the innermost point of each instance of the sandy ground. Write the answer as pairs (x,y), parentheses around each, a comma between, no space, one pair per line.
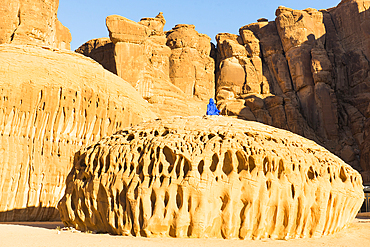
(39,234)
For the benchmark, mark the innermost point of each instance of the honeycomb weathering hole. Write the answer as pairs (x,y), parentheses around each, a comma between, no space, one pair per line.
(176,177)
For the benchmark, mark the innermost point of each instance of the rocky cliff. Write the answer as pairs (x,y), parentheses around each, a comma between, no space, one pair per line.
(308,72)
(172,70)
(52,103)
(32,22)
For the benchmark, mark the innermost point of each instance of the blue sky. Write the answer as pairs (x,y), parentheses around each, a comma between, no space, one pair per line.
(86,18)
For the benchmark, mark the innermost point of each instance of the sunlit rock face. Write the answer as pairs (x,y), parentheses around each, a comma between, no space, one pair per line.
(52,103)
(172,70)
(33,22)
(210,177)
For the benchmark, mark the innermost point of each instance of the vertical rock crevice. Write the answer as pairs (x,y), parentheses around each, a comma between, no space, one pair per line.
(18,24)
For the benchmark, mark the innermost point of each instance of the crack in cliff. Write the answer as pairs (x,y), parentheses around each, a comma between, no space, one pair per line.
(363,54)
(331,19)
(288,67)
(19,23)
(33,137)
(29,166)
(363,5)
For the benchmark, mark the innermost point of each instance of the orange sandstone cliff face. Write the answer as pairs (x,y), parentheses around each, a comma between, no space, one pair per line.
(172,70)
(52,103)
(307,72)
(32,22)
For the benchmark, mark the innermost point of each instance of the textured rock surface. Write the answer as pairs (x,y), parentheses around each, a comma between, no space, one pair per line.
(210,177)
(33,22)
(173,71)
(191,67)
(52,104)
(306,72)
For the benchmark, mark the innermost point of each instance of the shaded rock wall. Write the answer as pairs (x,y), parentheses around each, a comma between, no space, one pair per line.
(102,51)
(172,70)
(213,177)
(33,22)
(307,72)
(52,103)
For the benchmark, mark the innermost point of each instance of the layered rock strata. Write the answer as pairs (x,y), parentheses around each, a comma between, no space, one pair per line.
(306,72)
(210,177)
(172,70)
(33,22)
(53,102)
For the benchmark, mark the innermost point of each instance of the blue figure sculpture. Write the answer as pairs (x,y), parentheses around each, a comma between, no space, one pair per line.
(212,108)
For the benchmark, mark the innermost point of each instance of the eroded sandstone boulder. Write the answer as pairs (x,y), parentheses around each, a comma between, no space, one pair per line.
(210,177)
(53,102)
(33,22)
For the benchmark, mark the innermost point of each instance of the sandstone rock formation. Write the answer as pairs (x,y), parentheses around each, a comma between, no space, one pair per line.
(191,67)
(173,71)
(102,51)
(52,103)
(306,72)
(210,177)
(33,22)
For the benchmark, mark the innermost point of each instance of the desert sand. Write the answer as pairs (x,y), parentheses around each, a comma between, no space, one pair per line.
(39,234)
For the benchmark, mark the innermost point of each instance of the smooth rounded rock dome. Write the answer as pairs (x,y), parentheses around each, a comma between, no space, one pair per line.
(52,103)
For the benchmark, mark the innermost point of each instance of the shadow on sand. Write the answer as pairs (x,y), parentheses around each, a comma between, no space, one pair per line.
(30,214)
(44,224)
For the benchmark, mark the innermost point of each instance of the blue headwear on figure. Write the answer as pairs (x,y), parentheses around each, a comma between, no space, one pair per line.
(212,108)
